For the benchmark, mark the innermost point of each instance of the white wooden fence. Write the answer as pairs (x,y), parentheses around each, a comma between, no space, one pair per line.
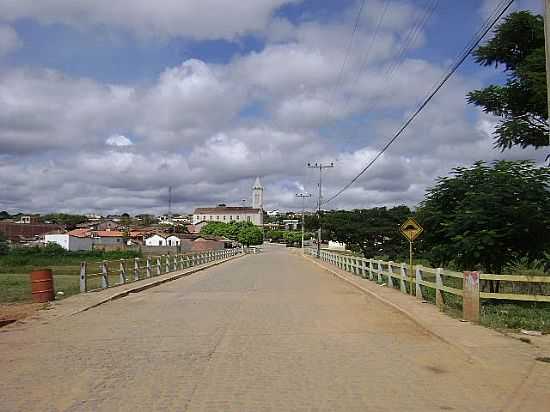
(399,276)
(131,270)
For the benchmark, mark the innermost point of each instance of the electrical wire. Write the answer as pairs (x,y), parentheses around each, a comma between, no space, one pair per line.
(480,34)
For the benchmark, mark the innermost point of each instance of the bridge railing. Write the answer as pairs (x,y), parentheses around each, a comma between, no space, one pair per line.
(438,283)
(119,272)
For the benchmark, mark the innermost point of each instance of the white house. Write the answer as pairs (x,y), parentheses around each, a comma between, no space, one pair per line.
(155,240)
(173,240)
(68,242)
(333,245)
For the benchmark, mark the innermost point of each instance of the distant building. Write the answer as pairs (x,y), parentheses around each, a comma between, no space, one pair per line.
(86,239)
(332,245)
(227,214)
(21,233)
(155,240)
(291,224)
(69,242)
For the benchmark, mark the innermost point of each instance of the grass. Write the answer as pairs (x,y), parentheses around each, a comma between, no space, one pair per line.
(517,315)
(15,267)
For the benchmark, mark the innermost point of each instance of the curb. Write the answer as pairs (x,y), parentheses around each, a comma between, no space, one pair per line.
(150,285)
(395,306)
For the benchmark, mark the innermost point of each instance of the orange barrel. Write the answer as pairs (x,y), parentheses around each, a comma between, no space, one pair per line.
(42,285)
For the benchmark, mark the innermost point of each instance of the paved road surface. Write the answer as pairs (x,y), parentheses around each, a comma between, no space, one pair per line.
(269,332)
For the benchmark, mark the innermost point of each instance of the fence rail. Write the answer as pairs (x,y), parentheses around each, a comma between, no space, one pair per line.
(131,270)
(466,284)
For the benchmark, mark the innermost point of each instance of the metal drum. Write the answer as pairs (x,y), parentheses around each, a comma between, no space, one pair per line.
(42,285)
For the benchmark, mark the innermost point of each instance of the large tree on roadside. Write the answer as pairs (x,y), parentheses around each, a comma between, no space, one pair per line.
(373,232)
(521,105)
(486,216)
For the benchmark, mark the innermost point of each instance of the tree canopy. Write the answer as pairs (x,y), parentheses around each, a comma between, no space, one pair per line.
(518,46)
(486,216)
(243,232)
(373,232)
(65,219)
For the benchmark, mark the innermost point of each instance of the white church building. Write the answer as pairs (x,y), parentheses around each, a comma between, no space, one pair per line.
(227,214)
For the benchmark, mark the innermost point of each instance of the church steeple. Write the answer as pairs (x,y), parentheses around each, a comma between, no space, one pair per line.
(258,194)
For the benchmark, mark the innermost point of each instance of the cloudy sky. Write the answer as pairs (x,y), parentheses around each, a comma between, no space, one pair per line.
(104,104)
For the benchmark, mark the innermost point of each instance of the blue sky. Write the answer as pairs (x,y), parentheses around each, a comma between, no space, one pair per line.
(124,101)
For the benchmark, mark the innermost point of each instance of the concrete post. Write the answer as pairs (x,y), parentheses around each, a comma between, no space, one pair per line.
(174,263)
(104,275)
(136,268)
(470,299)
(439,300)
(122,271)
(418,280)
(167,263)
(159,267)
(364,268)
(371,270)
(148,265)
(403,279)
(83,278)
(390,271)
(379,271)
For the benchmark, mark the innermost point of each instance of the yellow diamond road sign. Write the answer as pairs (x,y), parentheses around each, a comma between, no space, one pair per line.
(410,229)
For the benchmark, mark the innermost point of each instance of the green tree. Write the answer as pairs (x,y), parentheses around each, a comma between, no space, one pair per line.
(250,235)
(293,237)
(486,216)
(70,221)
(373,232)
(518,46)
(4,215)
(275,235)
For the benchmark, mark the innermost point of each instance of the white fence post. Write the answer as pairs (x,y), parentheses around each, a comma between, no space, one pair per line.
(167,263)
(148,265)
(439,299)
(390,274)
(403,279)
(122,271)
(379,271)
(83,278)
(104,275)
(159,266)
(136,269)
(371,270)
(418,280)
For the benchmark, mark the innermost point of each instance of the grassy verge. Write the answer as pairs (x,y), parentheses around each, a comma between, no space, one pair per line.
(15,285)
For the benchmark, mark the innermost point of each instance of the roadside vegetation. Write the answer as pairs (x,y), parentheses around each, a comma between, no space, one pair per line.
(17,263)
(490,217)
(245,233)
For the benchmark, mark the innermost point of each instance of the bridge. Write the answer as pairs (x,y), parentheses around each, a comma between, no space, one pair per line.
(267,332)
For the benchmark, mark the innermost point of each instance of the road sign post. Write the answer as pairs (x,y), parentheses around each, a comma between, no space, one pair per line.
(410,229)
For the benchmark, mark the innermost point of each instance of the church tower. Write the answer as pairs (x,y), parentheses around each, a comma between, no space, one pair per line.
(257,195)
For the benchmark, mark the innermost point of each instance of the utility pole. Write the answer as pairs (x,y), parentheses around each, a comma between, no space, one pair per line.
(547,48)
(170,204)
(303,196)
(320,166)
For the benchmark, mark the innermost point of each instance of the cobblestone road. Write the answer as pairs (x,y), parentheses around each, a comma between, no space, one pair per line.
(268,332)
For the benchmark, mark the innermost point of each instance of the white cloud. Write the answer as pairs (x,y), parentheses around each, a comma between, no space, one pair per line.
(61,141)
(199,19)
(9,40)
(118,140)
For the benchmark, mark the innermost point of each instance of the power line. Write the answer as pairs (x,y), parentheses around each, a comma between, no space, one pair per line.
(490,22)
(340,78)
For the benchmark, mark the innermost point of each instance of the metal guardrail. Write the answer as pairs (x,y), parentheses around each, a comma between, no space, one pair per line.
(397,275)
(131,270)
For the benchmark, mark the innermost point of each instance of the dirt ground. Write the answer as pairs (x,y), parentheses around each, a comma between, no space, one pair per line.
(17,311)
